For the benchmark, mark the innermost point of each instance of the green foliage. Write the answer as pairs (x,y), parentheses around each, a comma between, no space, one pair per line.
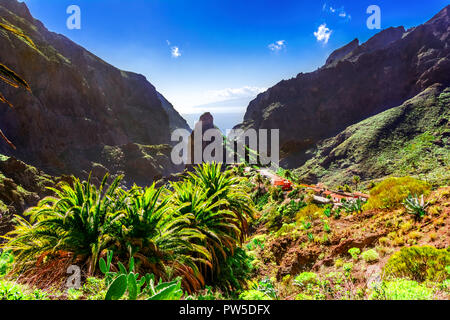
(401,289)
(137,287)
(352,206)
(200,222)
(234,271)
(13,291)
(334,285)
(306,278)
(276,194)
(265,286)
(415,206)
(370,256)
(354,252)
(253,295)
(419,264)
(390,193)
(6,262)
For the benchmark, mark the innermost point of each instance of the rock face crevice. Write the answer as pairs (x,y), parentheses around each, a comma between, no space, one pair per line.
(79,103)
(358,81)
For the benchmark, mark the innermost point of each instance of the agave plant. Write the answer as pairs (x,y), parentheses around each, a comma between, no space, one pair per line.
(416,206)
(78,220)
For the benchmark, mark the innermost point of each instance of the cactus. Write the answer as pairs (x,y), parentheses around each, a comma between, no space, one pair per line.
(117,288)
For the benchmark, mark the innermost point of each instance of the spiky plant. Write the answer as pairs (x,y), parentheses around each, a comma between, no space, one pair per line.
(162,238)
(415,206)
(220,227)
(77,220)
(222,185)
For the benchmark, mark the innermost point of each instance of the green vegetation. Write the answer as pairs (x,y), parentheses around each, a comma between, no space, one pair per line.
(402,290)
(416,207)
(370,256)
(189,232)
(409,140)
(419,264)
(188,240)
(390,193)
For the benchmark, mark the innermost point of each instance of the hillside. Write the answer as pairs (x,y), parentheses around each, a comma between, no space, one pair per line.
(405,140)
(80,107)
(357,82)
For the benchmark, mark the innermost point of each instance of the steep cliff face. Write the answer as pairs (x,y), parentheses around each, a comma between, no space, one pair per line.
(80,105)
(410,139)
(357,82)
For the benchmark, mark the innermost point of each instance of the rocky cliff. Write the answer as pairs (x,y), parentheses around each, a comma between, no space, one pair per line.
(82,113)
(411,139)
(357,82)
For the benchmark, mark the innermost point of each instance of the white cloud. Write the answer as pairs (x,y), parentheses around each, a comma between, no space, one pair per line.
(323,33)
(175,51)
(340,12)
(227,100)
(233,93)
(277,45)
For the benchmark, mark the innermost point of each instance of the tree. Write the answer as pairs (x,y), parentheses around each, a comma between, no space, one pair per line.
(356,180)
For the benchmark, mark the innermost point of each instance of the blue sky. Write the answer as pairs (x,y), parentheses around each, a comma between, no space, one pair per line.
(220,54)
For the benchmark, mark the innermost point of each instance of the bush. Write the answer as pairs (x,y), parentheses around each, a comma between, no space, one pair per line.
(253,295)
(311,212)
(370,256)
(13,291)
(306,278)
(6,261)
(354,252)
(419,264)
(391,192)
(401,290)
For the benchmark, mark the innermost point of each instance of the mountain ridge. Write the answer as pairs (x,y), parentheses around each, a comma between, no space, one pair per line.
(79,106)
(320,104)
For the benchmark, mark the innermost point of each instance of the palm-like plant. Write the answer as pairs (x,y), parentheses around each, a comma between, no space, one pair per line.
(220,227)
(77,220)
(161,238)
(222,185)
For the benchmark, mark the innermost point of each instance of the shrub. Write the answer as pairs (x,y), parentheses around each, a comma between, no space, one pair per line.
(370,256)
(401,289)
(13,291)
(305,278)
(391,192)
(253,295)
(311,212)
(6,261)
(354,252)
(419,264)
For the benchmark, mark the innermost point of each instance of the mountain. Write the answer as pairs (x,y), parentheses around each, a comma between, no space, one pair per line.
(83,113)
(356,83)
(405,140)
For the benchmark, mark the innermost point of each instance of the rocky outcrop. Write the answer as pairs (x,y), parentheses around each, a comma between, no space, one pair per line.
(79,106)
(357,82)
(21,186)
